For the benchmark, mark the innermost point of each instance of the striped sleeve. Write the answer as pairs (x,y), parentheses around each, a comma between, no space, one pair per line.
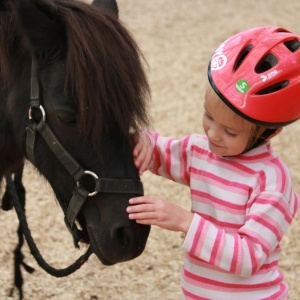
(244,252)
(170,157)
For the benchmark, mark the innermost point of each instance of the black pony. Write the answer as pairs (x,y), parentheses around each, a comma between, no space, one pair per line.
(72,86)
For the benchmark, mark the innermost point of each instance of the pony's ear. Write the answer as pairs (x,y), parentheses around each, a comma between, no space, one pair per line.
(110,4)
(41,26)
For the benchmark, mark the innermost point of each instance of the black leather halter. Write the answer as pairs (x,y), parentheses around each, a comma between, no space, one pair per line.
(80,194)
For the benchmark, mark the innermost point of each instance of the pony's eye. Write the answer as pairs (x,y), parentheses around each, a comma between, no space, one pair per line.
(66,117)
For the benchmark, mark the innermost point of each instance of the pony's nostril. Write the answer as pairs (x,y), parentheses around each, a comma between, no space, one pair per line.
(122,236)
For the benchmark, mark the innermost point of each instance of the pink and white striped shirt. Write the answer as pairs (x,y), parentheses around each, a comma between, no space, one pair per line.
(242,207)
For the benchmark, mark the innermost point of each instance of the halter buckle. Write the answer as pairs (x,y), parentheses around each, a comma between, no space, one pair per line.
(94,176)
(41,108)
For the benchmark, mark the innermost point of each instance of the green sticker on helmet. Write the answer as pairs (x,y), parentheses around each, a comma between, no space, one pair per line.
(242,86)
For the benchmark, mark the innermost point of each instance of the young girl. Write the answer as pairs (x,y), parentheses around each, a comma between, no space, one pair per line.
(241,192)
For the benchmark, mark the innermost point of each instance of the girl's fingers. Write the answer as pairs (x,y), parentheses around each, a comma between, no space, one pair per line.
(140,216)
(143,167)
(140,208)
(142,152)
(140,143)
(140,158)
(138,200)
(137,148)
(144,162)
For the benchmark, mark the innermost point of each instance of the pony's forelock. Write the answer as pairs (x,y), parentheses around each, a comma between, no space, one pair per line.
(104,69)
(105,73)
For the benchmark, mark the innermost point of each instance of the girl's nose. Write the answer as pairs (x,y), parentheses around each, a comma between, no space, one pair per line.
(214,133)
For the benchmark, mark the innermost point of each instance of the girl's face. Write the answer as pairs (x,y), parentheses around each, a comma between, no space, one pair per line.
(228,134)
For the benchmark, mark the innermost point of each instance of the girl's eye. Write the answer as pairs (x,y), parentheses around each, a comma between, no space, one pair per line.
(207,115)
(230,134)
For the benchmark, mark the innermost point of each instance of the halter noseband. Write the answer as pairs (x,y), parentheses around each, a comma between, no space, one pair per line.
(80,194)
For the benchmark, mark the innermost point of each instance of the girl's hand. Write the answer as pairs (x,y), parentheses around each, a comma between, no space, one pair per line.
(142,151)
(153,211)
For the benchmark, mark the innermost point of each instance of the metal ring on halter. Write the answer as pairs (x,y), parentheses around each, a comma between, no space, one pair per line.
(95,178)
(41,109)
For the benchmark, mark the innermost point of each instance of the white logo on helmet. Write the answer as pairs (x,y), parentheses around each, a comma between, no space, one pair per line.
(269,75)
(218,62)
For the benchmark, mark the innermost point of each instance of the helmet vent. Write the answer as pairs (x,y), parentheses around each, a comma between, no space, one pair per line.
(266,63)
(242,56)
(274,88)
(293,45)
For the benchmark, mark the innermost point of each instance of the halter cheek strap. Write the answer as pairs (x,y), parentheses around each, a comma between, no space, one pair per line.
(80,194)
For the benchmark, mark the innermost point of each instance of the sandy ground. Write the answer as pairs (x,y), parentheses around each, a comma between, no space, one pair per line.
(177,38)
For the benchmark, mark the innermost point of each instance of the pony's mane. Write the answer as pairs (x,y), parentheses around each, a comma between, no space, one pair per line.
(7,39)
(104,69)
(104,66)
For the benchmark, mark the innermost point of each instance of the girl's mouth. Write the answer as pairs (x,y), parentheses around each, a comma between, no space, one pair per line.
(214,145)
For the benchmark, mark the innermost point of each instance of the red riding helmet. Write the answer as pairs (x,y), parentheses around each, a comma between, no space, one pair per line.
(257,74)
